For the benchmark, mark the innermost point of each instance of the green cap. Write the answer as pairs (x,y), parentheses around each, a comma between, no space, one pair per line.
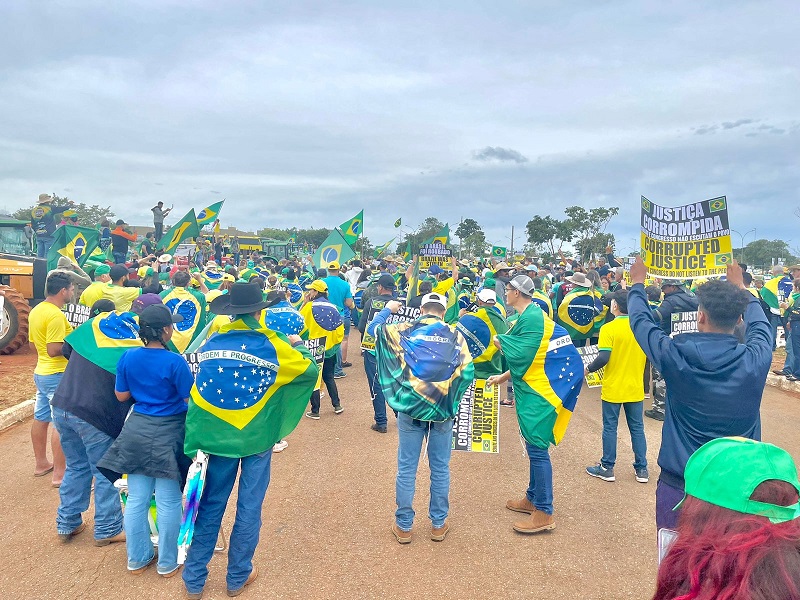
(726,471)
(102,270)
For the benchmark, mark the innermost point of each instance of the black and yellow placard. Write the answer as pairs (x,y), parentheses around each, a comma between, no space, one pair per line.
(688,241)
(477,425)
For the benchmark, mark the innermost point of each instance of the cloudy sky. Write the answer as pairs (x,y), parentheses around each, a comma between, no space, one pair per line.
(301,113)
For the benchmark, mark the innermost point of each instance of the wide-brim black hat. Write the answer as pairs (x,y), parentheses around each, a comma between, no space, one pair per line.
(241,299)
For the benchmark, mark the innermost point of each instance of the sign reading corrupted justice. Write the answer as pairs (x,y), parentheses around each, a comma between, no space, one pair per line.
(688,241)
(477,424)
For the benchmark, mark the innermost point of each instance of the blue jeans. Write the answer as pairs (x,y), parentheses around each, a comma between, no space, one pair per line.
(774,323)
(378,399)
(169,511)
(635,417)
(411,435)
(540,488)
(793,350)
(667,498)
(119,257)
(43,244)
(45,390)
(220,477)
(84,445)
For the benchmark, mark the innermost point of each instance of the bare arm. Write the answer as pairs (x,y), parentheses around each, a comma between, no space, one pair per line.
(122,396)
(54,349)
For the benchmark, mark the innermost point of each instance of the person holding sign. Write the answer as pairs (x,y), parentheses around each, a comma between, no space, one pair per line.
(714,383)
(623,387)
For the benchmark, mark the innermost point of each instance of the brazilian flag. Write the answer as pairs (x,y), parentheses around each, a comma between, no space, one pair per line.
(251,390)
(74,242)
(581,312)
(103,339)
(353,228)
(424,368)
(191,306)
(209,214)
(383,248)
(547,373)
(186,228)
(479,329)
(334,249)
(776,290)
(443,237)
(499,251)
(398,222)
(407,252)
(541,300)
(321,318)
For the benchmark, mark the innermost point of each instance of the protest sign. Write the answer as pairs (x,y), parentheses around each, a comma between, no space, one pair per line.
(588,354)
(77,314)
(683,322)
(193,361)
(405,313)
(434,254)
(686,241)
(317,348)
(477,424)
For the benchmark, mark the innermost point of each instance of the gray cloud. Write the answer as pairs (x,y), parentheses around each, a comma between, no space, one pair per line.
(734,124)
(500,154)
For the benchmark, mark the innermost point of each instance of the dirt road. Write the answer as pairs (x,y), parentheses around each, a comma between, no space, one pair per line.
(330,505)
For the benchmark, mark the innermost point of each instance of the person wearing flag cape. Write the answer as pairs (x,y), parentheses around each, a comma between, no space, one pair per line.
(251,390)
(547,373)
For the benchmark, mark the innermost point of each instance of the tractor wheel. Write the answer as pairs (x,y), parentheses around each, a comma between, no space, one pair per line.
(13,320)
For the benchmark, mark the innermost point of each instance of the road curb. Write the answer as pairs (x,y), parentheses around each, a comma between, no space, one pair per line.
(15,414)
(782,383)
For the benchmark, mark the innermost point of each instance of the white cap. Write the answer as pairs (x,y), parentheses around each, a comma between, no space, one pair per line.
(434,297)
(488,296)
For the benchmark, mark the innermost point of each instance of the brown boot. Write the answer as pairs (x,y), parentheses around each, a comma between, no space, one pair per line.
(523,506)
(120,537)
(439,533)
(403,537)
(538,521)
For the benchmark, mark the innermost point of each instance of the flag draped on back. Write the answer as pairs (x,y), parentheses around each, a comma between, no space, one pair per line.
(479,329)
(776,290)
(581,311)
(542,301)
(186,228)
(183,302)
(443,237)
(334,249)
(321,318)
(76,243)
(353,228)
(103,339)
(251,390)
(209,214)
(424,367)
(547,373)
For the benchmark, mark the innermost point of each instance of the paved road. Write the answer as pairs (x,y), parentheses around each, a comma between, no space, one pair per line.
(330,505)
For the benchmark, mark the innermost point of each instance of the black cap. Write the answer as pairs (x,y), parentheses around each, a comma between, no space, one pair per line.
(386,281)
(158,316)
(621,296)
(117,272)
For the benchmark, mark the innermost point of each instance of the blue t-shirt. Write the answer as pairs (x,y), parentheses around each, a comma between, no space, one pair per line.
(158,380)
(338,291)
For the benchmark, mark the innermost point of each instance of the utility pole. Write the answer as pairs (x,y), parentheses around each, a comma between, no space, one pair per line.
(512,244)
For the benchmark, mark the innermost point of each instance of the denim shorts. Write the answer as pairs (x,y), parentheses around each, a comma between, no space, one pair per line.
(45,390)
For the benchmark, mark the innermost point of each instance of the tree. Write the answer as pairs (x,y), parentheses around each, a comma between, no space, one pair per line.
(88,215)
(587,228)
(275,234)
(763,252)
(363,247)
(475,244)
(467,227)
(312,236)
(547,235)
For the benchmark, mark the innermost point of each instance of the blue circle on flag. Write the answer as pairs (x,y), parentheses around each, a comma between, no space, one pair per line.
(184,308)
(355,227)
(330,255)
(202,215)
(79,248)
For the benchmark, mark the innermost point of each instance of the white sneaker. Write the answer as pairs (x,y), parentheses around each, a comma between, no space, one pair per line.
(280,446)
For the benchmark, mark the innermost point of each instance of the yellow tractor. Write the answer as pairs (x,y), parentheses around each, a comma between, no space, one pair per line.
(22,279)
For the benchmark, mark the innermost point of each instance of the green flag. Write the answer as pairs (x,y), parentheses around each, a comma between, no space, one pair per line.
(407,252)
(353,228)
(209,214)
(334,249)
(186,228)
(76,243)
(381,249)
(499,251)
(443,237)
(398,222)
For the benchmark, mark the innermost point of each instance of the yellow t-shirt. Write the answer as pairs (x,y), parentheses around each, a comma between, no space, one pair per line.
(218,323)
(444,286)
(47,325)
(92,294)
(122,297)
(623,376)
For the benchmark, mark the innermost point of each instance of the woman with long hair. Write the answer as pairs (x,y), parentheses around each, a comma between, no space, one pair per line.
(150,447)
(738,533)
